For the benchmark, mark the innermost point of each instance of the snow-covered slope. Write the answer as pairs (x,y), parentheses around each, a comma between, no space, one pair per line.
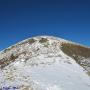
(39,63)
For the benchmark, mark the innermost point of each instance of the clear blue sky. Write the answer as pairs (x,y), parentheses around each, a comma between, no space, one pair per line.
(20,19)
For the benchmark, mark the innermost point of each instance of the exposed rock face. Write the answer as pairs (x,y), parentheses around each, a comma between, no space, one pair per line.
(45,63)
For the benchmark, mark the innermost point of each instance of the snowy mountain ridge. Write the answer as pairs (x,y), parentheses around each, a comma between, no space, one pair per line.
(40,63)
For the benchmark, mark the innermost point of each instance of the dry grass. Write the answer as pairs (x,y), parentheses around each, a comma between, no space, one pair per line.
(77,52)
(43,40)
(4,62)
(31,41)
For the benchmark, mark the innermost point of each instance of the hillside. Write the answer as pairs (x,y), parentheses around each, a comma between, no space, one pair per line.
(45,63)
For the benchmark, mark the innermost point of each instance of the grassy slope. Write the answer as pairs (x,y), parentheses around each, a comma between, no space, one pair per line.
(80,53)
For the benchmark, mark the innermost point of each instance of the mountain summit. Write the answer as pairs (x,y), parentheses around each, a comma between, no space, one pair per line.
(45,63)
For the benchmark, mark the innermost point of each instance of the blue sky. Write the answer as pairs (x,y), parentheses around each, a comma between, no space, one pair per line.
(21,19)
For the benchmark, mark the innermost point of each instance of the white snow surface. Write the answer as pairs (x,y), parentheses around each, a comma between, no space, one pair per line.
(45,69)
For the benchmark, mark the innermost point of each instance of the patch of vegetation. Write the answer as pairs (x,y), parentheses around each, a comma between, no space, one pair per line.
(12,47)
(31,41)
(6,50)
(4,62)
(77,52)
(43,40)
(12,57)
